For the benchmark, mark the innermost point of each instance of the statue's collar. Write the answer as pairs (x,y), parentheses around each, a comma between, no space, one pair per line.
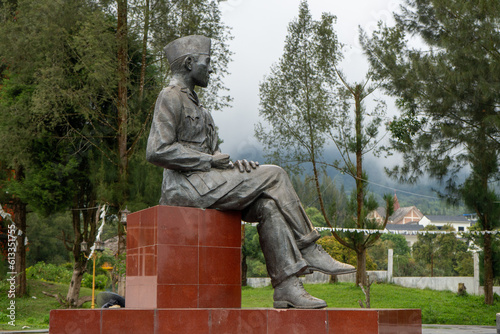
(191,94)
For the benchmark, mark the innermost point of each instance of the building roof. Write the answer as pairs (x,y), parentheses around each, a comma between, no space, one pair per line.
(381,211)
(404,227)
(448,219)
(401,213)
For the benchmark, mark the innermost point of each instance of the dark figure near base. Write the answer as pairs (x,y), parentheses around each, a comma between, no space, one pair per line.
(183,141)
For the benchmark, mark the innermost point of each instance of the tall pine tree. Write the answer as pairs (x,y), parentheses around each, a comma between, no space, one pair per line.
(307,106)
(449,97)
(79,82)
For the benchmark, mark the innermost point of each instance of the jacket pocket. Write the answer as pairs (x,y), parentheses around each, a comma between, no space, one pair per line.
(206,182)
(192,129)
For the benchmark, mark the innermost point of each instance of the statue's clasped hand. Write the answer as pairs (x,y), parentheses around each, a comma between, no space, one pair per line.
(245,165)
(221,161)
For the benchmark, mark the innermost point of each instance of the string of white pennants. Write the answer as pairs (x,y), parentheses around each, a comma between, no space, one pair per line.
(403,232)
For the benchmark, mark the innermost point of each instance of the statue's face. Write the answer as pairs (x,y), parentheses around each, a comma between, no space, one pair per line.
(201,71)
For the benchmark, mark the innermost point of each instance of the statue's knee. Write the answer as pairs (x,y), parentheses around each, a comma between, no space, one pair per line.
(259,210)
(278,172)
(268,206)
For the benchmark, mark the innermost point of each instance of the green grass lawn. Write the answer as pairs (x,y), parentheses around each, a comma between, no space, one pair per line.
(33,310)
(438,307)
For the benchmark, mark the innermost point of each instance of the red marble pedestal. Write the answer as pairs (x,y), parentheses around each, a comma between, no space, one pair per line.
(235,321)
(181,257)
(184,276)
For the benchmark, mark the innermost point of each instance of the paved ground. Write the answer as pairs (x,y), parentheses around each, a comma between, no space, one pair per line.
(426,329)
(449,329)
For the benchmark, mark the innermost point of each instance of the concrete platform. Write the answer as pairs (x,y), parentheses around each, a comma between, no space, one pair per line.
(457,329)
(236,321)
(184,276)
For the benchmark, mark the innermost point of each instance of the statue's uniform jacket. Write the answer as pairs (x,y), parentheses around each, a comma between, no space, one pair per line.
(183,140)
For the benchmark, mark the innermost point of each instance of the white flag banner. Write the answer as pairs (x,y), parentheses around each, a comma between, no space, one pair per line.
(102,217)
(404,232)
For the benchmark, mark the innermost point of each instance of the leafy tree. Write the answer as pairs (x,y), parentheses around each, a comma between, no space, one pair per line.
(297,98)
(335,200)
(29,63)
(316,217)
(448,95)
(342,253)
(45,238)
(159,22)
(305,104)
(379,251)
(451,254)
(252,253)
(65,80)
(424,250)
(145,181)
(397,242)
(443,253)
(73,78)
(406,265)
(477,241)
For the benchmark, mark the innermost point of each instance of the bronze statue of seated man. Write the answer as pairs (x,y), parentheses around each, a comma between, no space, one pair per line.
(183,140)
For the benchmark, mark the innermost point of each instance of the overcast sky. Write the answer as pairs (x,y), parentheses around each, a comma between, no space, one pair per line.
(259,28)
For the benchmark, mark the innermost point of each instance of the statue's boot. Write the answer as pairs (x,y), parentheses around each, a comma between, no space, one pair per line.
(291,293)
(319,260)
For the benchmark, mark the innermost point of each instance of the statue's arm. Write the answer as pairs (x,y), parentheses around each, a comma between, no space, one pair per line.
(163,148)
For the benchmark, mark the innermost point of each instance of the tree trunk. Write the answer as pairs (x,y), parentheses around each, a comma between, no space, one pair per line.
(361,250)
(19,218)
(432,265)
(488,252)
(144,53)
(359,157)
(488,270)
(122,107)
(80,265)
(361,269)
(122,103)
(244,267)
(79,268)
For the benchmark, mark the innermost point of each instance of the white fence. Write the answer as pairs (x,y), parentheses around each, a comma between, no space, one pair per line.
(434,283)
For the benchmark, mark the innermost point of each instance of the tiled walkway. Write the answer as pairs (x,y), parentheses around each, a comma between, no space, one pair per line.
(448,329)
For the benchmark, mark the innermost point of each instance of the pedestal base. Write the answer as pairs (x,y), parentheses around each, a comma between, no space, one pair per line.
(183,258)
(237,321)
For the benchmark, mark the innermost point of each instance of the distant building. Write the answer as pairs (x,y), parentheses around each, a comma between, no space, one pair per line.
(401,215)
(410,220)
(460,223)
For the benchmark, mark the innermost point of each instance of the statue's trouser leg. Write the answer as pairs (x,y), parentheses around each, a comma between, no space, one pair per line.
(283,257)
(266,195)
(270,182)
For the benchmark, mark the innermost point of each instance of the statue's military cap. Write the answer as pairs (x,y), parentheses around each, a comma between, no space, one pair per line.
(194,44)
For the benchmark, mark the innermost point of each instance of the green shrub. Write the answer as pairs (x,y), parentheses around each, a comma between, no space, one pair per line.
(101,281)
(50,272)
(256,268)
(344,254)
